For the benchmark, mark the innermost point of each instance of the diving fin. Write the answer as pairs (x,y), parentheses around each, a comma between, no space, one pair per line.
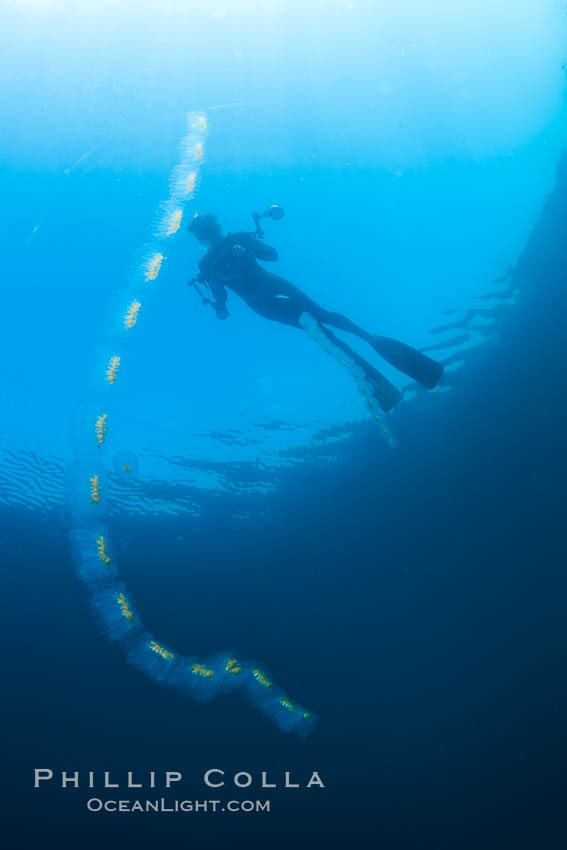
(409,360)
(387,395)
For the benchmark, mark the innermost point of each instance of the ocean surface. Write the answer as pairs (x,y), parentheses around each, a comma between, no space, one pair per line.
(412,598)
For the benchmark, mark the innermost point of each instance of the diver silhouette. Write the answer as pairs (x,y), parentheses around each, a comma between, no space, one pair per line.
(232,261)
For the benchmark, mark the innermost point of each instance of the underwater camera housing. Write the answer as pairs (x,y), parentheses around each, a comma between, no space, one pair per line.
(274,211)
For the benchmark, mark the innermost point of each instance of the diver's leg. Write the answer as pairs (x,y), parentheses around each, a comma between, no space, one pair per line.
(342,323)
(324,317)
(284,303)
(287,309)
(281,300)
(413,363)
(386,393)
(406,359)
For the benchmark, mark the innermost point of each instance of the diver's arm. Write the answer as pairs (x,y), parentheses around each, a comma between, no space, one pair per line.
(264,252)
(250,244)
(219,293)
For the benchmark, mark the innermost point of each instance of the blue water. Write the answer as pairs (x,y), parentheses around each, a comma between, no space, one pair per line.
(412,598)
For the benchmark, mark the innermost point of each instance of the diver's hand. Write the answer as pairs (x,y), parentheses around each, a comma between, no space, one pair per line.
(221,311)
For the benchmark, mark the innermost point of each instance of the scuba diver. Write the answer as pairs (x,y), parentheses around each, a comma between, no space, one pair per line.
(232,261)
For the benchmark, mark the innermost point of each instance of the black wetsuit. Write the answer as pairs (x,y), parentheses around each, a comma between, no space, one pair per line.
(232,261)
